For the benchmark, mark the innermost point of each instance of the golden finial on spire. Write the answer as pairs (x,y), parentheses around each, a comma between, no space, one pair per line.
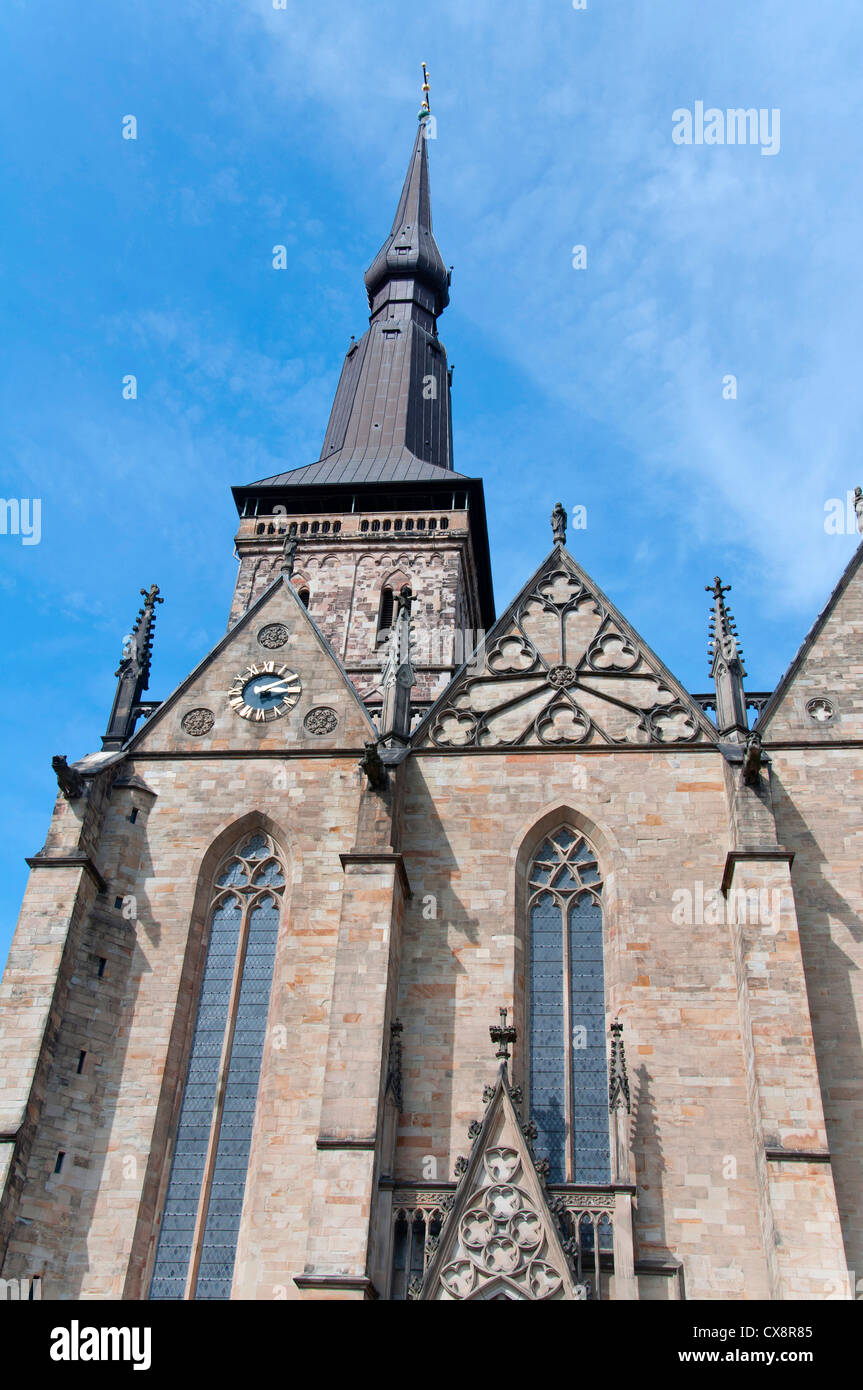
(425,108)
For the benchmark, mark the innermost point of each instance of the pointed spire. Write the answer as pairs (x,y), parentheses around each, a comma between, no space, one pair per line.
(133,672)
(398,676)
(391,419)
(409,264)
(726,667)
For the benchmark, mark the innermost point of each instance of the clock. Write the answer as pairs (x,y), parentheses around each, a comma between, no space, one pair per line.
(265,692)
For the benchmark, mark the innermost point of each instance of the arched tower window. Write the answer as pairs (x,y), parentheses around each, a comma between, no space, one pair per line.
(201,1216)
(568,1085)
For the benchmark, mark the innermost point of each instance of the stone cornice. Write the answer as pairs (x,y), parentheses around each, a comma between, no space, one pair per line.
(821,745)
(778,1155)
(337,1282)
(329,1141)
(69,861)
(374,856)
(735,856)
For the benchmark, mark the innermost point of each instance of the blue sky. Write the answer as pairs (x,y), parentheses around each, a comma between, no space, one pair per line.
(600,387)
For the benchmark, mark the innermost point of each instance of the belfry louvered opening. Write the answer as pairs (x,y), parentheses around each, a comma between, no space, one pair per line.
(568,1085)
(200,1222)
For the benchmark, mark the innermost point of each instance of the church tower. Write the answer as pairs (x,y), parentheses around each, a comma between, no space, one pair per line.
(383,506)
(379,961)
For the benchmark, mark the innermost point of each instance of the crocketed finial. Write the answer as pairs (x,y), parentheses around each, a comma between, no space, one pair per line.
(726,667)
(133,672)
(723,640)
(504,1035)
(618,1085)
(398,675)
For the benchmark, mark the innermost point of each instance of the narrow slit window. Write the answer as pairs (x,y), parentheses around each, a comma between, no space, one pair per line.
(385,616)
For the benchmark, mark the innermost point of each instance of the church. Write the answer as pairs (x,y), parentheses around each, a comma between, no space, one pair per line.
(409,951)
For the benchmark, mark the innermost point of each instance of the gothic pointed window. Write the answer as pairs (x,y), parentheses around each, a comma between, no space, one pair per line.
(201,1215)
(568,1082)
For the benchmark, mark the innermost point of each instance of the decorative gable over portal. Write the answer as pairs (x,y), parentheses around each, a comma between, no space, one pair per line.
(563,667)
(500,1240)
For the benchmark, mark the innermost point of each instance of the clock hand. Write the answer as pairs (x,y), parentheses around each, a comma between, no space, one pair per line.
(268,689)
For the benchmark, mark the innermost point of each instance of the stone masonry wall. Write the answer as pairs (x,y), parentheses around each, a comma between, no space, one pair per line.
(819,811)
(658,822)
(345,575)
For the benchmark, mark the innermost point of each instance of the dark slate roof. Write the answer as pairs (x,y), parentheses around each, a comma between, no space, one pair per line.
(397,468)
(386,425)
(410,249)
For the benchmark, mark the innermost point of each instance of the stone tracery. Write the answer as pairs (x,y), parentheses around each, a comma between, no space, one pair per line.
(564,671)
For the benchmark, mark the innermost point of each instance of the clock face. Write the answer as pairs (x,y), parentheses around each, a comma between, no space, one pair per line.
(265,692)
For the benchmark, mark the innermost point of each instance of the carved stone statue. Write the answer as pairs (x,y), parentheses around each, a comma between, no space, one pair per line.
(858,507)
(373,767)
(69,780)
(289,555)
(558,524)
(752,759)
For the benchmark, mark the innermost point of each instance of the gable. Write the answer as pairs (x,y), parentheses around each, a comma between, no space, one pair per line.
(562,667)
(827,672)
(500,1239)
(276,634)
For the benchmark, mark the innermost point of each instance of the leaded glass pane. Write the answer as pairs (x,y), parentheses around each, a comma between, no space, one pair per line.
(559,876)
(564,839)
(269,876)
(235,873)
(591,1158)
(239,1084)
(547,1076)
(196,1113)
(219,1246)
(256,848)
